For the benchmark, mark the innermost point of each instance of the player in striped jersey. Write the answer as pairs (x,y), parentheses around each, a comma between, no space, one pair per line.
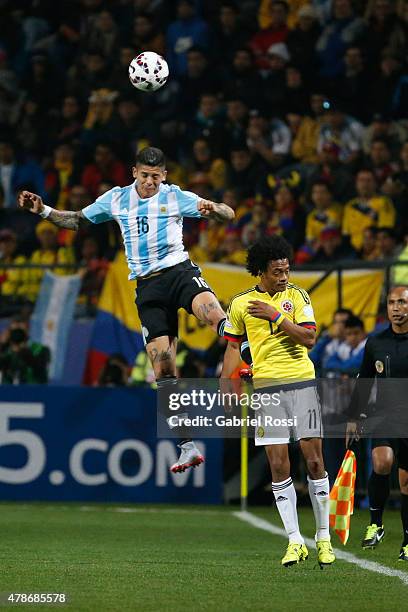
(276,318)
(150,216)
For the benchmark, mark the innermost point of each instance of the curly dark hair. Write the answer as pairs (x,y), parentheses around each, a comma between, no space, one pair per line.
(267,249)
(150,156)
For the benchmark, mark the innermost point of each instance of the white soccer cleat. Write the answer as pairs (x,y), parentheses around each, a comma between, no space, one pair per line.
(190,457)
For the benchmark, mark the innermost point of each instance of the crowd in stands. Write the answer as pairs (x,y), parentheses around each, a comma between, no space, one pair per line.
(293,113)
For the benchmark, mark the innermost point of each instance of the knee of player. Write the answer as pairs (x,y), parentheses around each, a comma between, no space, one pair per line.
(315,467)
(382,466)
(403,481)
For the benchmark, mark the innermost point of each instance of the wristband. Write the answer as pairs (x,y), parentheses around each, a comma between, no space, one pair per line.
(46,211)
(276,317)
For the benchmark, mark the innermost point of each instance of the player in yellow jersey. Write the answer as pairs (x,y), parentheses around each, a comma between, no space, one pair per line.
(277,318)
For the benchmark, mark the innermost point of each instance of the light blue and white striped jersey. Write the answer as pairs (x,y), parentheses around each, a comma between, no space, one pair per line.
(152,228)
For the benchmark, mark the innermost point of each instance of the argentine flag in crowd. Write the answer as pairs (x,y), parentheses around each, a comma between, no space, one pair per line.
(53,315)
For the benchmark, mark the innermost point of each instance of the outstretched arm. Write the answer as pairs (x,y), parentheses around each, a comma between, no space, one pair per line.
(212,210)
(68,219)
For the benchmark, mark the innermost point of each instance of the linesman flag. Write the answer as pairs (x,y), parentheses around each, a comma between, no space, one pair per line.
(342,497)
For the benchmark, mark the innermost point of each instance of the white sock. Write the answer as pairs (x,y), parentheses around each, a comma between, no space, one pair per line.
(319,495)
(285,497)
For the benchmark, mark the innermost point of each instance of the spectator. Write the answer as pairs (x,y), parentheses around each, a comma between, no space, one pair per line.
(395,133)
(207,123)
(296,92)
(61,175)
(287,218)
(366,210)
(29,128)
(69,124)
(103,35)
(244,82)
(304,145)
(14,174)
(146,35)
(48,254)
(343,130)
(230,251)
(369,247)
(355,338)
(385,82)
(22,361)
(187,31)
(240,207)
(331,250)
(256,226)
(100,123)
(243,174)
(301,41)
(344,29)
(120,71)
(332,342)
(230,33)
(269,141)
(12,281)
(133,130)
(276,32)
(90,73)
(203,161)
(275,78)
(387,243)
(385,29)
(9,91)
(41,82)
(379,160)
(236,121)
(326,213)
(329,170)
(198,80)
(105,167)
(353,86)
(94,273)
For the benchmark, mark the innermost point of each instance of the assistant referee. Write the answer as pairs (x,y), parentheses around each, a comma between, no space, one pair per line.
(385,357)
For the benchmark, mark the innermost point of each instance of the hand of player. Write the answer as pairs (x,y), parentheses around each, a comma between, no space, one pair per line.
(261,310)
(352,434)
(30,201)
(205,207)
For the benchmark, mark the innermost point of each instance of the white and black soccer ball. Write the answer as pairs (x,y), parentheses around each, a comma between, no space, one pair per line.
(148,71)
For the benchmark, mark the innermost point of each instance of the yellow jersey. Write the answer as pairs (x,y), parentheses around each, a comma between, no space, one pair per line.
(319,220)
(358,215)
(275,355)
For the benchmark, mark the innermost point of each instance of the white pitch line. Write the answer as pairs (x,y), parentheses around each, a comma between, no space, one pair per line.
(371,566)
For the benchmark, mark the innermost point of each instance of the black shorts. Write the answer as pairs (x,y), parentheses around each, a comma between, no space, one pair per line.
(158,298)
(398,445)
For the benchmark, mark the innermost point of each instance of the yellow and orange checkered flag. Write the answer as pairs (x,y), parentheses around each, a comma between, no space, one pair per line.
(342,497)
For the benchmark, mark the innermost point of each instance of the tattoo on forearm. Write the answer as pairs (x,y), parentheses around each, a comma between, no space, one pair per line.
(204,311)
(66,218)
(159,356)
(223,212)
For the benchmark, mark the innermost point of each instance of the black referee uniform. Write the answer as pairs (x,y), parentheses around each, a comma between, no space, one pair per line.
(386,360)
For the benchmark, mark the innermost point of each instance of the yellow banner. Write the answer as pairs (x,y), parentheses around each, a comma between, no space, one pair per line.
(361,293)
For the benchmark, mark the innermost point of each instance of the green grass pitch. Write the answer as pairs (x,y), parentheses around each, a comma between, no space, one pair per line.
(175,558)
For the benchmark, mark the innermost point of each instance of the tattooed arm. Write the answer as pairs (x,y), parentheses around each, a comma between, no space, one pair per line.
(62,218)
(212,210)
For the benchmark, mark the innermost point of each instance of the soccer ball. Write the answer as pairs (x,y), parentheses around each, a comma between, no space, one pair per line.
(148,71)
